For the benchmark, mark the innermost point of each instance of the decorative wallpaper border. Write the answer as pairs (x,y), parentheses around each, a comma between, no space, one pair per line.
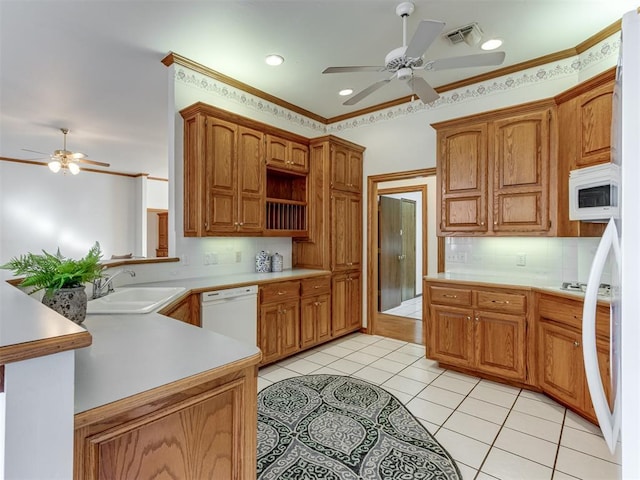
(604,51)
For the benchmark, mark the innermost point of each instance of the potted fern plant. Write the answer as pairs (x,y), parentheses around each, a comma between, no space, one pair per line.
(62,279)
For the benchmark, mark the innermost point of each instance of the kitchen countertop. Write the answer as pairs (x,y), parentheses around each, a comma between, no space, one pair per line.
(28,329)
(506,281)
(131,354)
(216,282)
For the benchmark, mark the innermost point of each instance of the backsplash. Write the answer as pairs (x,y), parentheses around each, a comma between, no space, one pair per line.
(215,256)
(548,261)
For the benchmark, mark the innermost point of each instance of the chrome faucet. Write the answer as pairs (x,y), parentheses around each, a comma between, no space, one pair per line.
(99,284)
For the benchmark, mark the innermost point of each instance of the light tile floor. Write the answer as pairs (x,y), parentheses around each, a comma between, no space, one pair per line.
(409,308)
(493,431)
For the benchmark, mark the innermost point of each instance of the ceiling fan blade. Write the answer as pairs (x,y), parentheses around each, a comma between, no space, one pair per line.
(77,155)
(92,162)
(476,60)
(427,32)
(367,91)
(34,151)
(353,69)
(421,88)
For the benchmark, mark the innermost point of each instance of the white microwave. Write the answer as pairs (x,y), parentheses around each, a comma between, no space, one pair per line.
(594,193)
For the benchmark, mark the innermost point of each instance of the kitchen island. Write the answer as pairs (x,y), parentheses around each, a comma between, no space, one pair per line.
(157,395)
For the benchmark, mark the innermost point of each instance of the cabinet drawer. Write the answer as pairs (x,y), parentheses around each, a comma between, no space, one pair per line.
(277,292)
(450,296)
(569,312)
(502,302)
(316,286)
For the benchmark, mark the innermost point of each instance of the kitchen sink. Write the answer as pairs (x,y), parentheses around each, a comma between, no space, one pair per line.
(133,300)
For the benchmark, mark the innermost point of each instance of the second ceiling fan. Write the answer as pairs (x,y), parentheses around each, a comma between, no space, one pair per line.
(404,61)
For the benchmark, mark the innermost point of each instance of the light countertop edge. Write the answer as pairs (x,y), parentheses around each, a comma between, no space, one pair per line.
(29,329)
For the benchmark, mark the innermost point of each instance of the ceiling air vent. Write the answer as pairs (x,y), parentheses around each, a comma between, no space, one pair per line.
(471,34)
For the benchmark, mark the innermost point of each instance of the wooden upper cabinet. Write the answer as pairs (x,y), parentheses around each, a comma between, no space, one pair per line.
(251,180)
(346,169)
(220,184)
(595,114)
(584,117)
(287,154)
(493,172)
(462,179)
(521,173)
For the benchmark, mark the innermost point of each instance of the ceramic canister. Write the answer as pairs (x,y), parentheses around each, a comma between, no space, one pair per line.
(276,262)
(263,262)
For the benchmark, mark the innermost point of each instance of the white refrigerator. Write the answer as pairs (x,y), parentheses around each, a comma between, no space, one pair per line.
(621,243)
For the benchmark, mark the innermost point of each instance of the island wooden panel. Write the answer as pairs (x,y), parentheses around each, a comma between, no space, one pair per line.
(203,426)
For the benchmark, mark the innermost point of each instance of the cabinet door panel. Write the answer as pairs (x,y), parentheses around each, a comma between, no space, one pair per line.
(449,335)
(276,151)
(354,281)
(339,304)
(195,442)
(289,328)
(251,180)
(500,343)
(595,126)
(308,330)
(220,176)
(268,338)
(520,209)
(462,179)
(323,318)
(521,173)
(561,367)
(299,156)
(339,167)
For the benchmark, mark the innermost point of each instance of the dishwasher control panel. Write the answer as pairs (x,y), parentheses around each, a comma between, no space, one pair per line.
(229,293)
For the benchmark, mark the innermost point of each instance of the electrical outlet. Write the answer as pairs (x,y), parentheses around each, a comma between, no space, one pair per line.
(206,259)
(238,257)
(521,259)
(214,258)
(457,257)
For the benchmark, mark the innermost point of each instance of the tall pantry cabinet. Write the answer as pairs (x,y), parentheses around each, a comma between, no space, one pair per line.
(335,227)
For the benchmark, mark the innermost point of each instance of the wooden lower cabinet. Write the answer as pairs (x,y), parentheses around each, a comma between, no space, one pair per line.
(205,430)
(346,302)
(480,330)
(315,311)
(560,355)
(186,309)
(279,323)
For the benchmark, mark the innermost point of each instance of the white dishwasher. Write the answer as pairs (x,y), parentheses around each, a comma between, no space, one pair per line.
(232,312)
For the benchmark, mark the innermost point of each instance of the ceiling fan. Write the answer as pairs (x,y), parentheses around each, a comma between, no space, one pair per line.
(404,61)
(67,160)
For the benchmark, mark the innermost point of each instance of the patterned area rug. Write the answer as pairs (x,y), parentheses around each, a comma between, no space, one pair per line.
(336,427)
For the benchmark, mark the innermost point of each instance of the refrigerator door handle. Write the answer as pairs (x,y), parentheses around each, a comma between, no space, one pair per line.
(609,421)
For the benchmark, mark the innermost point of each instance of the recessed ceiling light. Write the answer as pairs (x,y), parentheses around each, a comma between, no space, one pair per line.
(274,60)
(491,44)
(345,92)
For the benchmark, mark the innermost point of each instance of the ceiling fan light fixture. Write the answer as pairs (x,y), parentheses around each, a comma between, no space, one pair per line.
(346,91)
(73,168)
(55,166)
(274,60)
(491,44)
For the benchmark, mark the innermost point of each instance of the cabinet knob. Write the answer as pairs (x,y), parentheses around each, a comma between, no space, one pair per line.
(284,310)
(316,286)
(482,223)
(576,344)
(468,318)
(280,293)
(235,223)
(495,222)
(477,319)
(241,223)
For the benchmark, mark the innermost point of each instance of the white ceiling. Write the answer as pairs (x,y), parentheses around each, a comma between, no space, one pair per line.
(94,67)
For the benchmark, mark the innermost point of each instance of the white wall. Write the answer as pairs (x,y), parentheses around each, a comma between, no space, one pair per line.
(42,210)
(157,194)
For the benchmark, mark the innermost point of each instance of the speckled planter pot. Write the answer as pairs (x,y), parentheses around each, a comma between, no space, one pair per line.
(69,302)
